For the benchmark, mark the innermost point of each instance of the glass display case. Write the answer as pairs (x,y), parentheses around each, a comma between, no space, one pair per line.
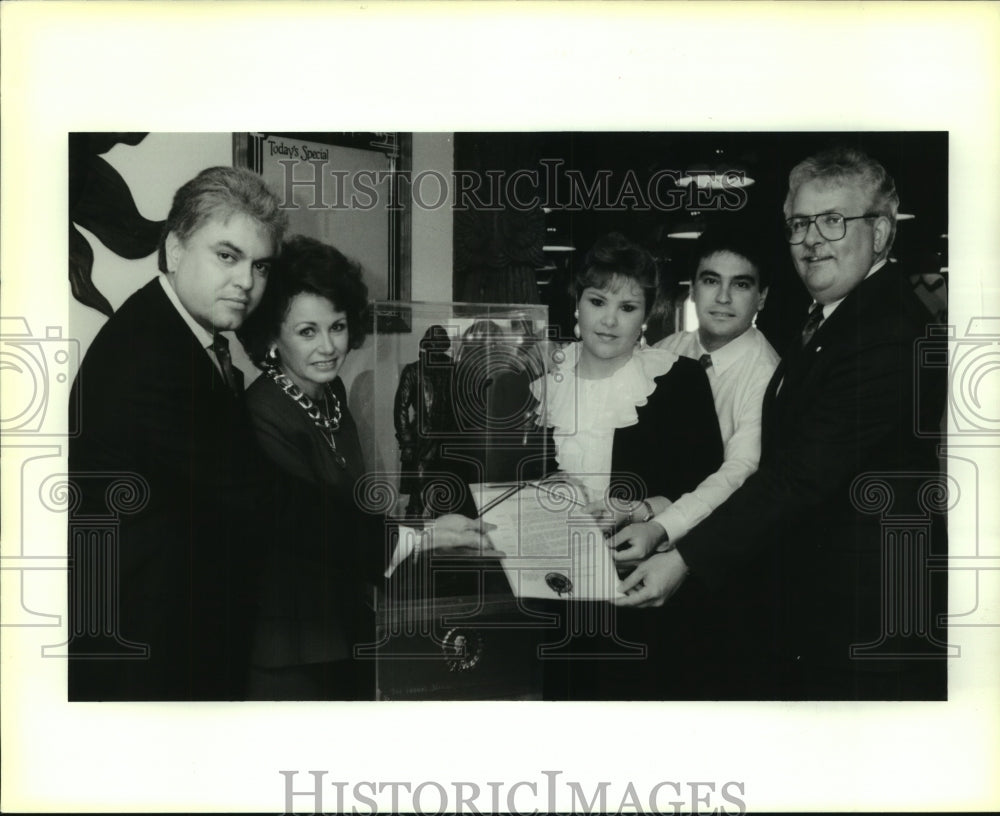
(454,399)
(452,402)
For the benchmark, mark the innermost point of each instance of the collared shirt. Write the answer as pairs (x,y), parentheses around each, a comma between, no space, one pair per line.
(739,375)
(829,308)
(204,337)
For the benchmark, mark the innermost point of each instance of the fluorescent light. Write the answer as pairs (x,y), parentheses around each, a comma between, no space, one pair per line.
(715,181)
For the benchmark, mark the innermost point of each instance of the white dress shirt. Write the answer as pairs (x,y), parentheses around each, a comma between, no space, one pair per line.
(204,336)
(739,375)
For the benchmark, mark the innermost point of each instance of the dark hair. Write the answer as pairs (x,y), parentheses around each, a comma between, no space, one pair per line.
(849,166)
(436,340)
(306,266)
(615,256)
(737,239)
(222,191)
(480,335)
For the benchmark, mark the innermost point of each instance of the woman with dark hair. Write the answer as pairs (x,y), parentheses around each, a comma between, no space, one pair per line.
(312,607)
(631,424)
(626,416)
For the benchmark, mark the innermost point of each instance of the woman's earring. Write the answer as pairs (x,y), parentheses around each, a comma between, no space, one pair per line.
(576,328)
(642,336)
(271,358)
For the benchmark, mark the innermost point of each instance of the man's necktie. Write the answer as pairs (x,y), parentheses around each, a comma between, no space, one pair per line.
(812,324)
(706,361)
(232,375)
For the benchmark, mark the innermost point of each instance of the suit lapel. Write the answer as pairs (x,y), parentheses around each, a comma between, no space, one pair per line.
(797,371)
(202,372)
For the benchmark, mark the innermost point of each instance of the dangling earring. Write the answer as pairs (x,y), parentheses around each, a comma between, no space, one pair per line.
(576,328)
(642,336)
(271,358)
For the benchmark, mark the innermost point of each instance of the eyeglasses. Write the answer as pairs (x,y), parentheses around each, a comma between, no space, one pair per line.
(832,226)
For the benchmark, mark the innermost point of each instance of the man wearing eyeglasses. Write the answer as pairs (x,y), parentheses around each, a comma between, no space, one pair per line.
(805,552)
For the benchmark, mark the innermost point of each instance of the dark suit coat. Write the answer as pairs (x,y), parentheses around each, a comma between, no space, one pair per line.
(152,403)
(676,442)
(326,548)
(846,406)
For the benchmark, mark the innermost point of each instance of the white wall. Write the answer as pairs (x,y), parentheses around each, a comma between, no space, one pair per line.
(162,162)
(153,170)
(431,280)
(432,229)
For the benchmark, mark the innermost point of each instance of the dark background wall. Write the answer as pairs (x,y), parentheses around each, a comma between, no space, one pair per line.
(498,253)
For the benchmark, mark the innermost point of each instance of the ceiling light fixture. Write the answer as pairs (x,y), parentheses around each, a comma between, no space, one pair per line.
(688,229)
(716,180)
(717,174)
(556,238)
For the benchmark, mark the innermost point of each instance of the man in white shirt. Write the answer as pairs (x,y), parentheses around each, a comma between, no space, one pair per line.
(729,288)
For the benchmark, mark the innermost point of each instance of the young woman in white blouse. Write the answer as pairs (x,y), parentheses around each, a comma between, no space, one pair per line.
(629,421)
(634,427)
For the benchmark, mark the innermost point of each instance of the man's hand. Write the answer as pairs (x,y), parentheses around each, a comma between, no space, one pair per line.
(636,542)
(654,580)
(455,531)
(613,515)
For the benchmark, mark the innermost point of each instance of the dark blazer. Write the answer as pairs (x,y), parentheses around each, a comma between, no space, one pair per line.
(674,446)
(844,406)
(326,549)
(152,404)
(676,443)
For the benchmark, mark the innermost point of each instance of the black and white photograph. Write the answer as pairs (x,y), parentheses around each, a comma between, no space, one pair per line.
(589,425)
(593,278)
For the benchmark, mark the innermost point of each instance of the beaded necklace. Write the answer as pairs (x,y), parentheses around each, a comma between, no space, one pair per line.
(327,422)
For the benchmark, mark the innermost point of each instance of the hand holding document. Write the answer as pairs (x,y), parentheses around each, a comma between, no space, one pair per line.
(554,549)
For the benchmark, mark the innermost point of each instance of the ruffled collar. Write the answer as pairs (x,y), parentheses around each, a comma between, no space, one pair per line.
(619,395)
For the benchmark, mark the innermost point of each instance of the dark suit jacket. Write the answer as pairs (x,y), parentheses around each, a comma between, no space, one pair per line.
(676,443)
(844,406)
(153,404)
(326,548)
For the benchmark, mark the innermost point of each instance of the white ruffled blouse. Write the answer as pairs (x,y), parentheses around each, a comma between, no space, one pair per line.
(585,413)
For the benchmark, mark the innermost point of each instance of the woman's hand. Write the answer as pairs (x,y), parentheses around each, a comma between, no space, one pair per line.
(613,515)
(455,531)
(636,542)
(575,489)
(606,518)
